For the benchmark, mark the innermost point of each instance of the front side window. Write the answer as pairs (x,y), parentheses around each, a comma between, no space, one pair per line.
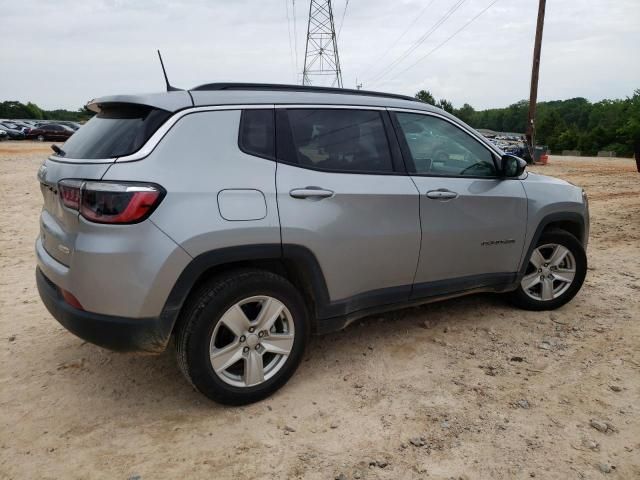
(257,133)
(340,140)
(439,148)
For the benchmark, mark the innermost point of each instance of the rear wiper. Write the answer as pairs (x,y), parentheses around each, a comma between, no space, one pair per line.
(58,151)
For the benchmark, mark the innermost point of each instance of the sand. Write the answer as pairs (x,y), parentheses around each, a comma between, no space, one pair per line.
(493,391)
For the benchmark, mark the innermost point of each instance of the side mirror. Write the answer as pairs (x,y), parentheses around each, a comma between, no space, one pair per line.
(512,166)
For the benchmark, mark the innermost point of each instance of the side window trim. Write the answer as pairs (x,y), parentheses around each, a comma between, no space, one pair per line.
(408,157)
(285,148)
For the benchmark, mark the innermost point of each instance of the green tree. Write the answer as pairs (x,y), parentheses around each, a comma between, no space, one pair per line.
(426,97)
(445,105)
(467,113)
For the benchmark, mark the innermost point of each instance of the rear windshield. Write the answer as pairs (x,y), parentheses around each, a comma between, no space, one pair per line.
(114,132)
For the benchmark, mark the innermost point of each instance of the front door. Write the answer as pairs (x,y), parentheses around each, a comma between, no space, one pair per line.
(473,222)
(341,195)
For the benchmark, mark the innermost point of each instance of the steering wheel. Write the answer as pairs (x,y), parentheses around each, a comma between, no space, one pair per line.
(475,166)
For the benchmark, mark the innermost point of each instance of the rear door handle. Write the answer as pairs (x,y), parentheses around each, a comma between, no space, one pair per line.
(311,192)
(441,194)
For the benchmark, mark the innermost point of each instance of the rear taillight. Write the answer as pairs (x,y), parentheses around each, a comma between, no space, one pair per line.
(70,193)
(111,202)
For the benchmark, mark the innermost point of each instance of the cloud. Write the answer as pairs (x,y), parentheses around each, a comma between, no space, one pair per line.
(63,53)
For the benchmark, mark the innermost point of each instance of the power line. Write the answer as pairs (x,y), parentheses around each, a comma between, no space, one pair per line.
(445,41)
(344,12)
(380,57)
(293,59)
(420,41)
(295,37)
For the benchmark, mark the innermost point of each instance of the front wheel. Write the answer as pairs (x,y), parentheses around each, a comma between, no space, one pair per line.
(555,272)
(242,336)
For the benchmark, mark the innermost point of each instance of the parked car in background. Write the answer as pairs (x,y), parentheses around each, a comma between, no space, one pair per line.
(50,131)
(72,125)
(13,131)
(15,125)
(25,127)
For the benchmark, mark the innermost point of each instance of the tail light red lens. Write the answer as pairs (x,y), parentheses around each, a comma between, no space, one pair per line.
(112,202)
(70,193)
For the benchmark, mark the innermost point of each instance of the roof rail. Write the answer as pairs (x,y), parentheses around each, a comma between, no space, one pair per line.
(297,88)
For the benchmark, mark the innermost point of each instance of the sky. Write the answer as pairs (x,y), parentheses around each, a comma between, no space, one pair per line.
(60,54)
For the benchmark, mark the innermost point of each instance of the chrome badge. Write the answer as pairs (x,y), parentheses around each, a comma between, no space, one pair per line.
(42,173)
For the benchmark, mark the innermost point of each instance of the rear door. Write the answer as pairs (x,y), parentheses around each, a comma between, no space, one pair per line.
(473,222)
(342,194)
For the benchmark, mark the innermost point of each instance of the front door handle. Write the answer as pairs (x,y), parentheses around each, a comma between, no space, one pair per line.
(441,194)
(311,192)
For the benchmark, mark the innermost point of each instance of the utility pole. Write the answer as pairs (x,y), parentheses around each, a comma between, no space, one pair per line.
(321,61)
(533,96)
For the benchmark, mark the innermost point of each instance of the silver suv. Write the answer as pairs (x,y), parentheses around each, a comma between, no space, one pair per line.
(240,218)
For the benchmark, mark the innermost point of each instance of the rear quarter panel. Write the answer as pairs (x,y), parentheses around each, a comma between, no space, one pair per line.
(197,159)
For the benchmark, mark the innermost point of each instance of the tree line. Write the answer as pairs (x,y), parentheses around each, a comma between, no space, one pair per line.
(574,124)
(31,111)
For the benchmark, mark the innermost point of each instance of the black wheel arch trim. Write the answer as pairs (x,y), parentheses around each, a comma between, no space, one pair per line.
(573,217)
(301,257)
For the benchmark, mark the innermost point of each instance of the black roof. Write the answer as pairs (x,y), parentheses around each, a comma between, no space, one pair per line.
(297,88)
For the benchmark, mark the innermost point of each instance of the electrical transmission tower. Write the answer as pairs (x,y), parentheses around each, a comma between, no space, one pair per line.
(321,61)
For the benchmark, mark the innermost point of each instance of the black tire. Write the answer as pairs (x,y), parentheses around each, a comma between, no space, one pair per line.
(520,298)
(203,312)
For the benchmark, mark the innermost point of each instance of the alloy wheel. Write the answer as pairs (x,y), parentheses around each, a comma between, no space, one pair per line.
(252,341)
(550,273)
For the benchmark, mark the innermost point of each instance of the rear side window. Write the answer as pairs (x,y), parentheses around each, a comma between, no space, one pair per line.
(257,133)
(340,140)
(116,131)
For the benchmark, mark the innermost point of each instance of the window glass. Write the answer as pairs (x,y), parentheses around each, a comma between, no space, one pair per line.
(342,140)
(440,148)
(257,133)
(116,131)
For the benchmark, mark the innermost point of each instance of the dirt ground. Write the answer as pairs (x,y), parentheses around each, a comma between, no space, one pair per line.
(470,388)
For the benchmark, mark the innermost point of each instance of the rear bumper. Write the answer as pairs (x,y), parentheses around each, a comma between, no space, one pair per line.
(115,333)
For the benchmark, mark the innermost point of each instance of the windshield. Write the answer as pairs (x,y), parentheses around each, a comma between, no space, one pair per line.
(116,131)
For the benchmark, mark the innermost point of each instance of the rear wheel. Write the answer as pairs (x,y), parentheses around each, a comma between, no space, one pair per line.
(554,274)
(242,336)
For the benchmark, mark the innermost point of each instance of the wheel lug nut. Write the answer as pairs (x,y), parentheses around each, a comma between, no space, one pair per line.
(539,270)
(261,334)
(258,347)
(245,349)
(251,330)
(243,338)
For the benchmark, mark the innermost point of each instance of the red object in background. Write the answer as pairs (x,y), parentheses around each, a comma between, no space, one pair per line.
(50,132)
(544,159)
